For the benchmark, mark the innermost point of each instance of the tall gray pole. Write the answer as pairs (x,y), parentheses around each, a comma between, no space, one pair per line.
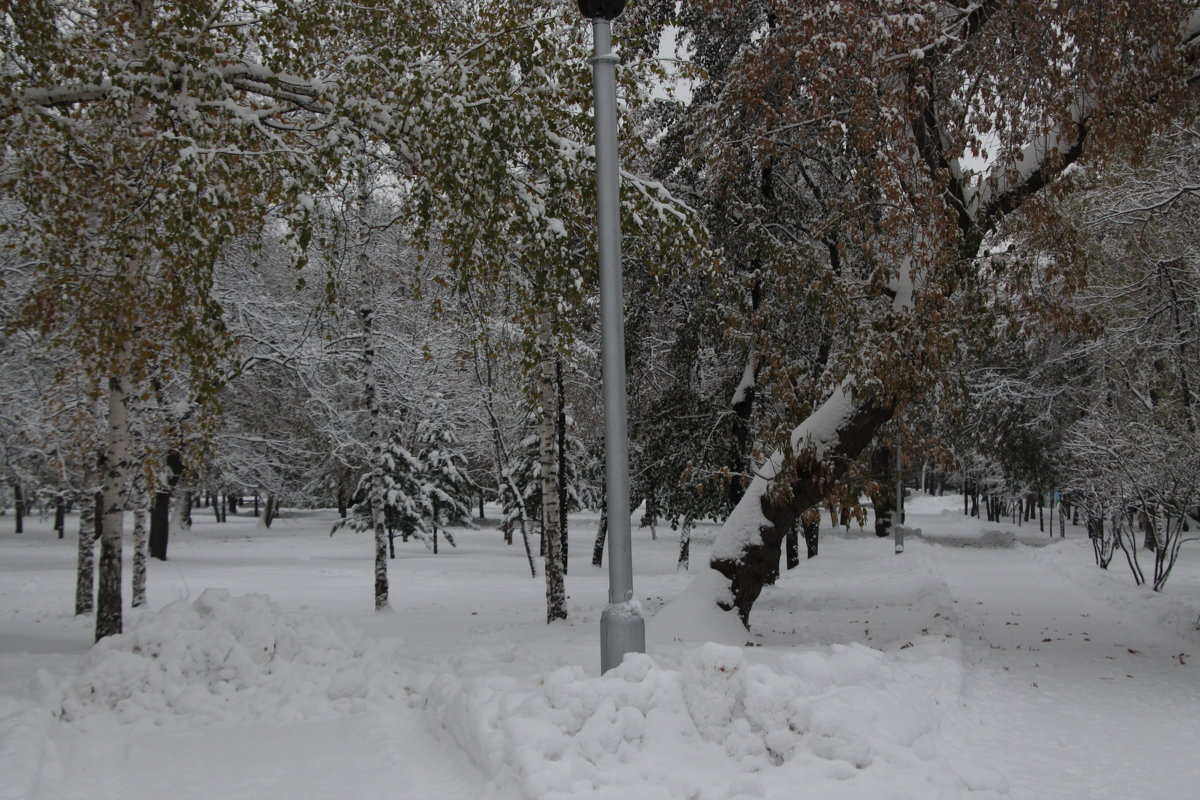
(622,629)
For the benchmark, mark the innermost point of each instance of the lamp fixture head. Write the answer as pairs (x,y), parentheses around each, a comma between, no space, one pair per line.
(601,9)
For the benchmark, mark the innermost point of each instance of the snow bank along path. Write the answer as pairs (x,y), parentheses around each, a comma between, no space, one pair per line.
(969,667)
(231,697)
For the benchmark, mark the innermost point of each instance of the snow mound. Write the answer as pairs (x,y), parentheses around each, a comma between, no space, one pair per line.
(843,720)
(694,616)
(224,658)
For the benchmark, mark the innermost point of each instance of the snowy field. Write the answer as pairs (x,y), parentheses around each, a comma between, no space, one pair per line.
(986,661)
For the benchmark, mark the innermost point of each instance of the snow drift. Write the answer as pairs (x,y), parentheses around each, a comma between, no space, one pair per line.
(223,659)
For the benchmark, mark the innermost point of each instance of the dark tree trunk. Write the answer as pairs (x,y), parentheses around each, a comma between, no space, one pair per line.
(1148,541)
(232,500)
(60,516)
(18,507)
(269,511)
(160,510)
(758,559)
(343,506)
(812,532)
(883,496)
(792,546)
(160,522)
(562,458)
(256,504)
(601,533)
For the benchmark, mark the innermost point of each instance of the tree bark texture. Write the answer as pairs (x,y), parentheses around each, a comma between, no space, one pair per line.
(114,469)
(601,530)
(85,571)
(139,554)
(378,486)
(556,596)
(685,546)
(183,510)
(561,419)
(812,531)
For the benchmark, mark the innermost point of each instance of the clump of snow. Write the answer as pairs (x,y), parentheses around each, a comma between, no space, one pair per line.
(694,616)
(224,658)
(726,726)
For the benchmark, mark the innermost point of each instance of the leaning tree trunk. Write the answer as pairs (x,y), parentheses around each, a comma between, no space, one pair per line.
(556,595)
(748,547)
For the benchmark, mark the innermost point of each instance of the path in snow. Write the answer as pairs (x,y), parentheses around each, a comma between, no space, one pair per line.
(1072,695)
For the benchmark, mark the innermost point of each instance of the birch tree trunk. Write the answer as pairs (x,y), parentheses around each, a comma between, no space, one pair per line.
(378,485)
(139,550)
(556,599)
(114,469)
(685,546)
(85,571)
(486,379)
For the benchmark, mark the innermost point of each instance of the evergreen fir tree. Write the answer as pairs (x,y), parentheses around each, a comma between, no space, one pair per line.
(406,505)
(446,485)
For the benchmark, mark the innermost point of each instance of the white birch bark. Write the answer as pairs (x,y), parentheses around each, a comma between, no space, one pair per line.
(139,546)
(85,571)
(114,472)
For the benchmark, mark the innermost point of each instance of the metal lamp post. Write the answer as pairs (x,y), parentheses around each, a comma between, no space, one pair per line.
(622,628)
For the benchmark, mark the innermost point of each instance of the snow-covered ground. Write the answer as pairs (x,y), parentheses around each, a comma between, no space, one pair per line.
(985,661)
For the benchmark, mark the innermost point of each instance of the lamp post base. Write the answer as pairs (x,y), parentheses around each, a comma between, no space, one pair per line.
(622,630)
